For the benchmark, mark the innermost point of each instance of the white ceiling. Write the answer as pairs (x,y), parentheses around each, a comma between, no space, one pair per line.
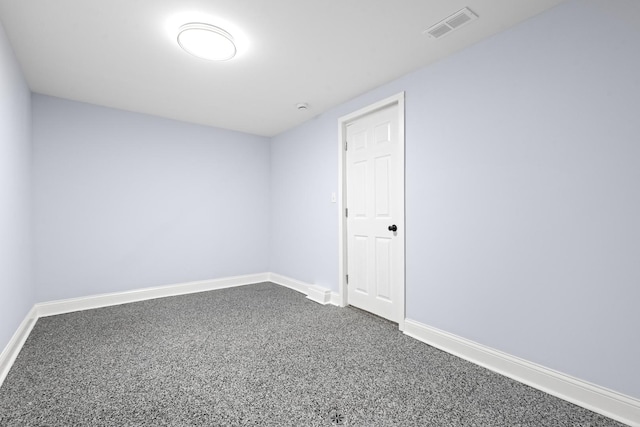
(123,53)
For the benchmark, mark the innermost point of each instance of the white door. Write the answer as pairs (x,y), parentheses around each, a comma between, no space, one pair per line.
(375,212)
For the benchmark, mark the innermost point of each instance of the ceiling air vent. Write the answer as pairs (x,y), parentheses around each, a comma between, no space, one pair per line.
(450,23)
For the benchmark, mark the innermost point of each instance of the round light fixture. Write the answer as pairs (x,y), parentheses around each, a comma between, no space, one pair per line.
(206,41)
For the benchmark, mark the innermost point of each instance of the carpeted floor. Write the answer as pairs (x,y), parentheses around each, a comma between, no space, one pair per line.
(256,355)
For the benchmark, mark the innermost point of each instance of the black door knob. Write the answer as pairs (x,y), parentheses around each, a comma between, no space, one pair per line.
(393,228)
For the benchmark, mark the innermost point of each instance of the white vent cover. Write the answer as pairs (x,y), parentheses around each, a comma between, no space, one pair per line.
(450,23)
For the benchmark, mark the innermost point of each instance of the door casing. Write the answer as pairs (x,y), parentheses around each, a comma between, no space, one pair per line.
(398,100)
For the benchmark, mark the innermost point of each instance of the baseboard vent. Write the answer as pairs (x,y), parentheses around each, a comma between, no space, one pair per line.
(450,23)
(319,294)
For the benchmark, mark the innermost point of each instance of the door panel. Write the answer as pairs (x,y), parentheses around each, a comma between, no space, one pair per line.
(359,188)
(383,268)
(382,179)
(360,264)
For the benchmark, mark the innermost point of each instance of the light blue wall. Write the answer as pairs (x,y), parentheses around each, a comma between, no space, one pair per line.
(125,201)
(16,287)
(303,176)
(522,198)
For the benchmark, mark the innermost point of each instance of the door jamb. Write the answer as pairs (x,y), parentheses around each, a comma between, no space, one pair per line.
(342,192)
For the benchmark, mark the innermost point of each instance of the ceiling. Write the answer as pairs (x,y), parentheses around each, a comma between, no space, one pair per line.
(123,53)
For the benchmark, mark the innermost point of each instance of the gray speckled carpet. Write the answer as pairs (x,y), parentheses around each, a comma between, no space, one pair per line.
(256,355)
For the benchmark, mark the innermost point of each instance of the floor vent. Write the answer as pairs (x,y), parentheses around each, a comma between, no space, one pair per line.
(450,23)
(319,294)
(336,418)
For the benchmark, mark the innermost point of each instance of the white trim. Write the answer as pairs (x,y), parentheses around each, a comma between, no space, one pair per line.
(342,228)
(336,299)
(11,351)
(609,403)
(103,300)
(290,283)
(51,308)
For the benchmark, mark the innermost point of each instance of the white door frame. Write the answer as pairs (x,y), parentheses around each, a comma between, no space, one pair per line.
(342,192)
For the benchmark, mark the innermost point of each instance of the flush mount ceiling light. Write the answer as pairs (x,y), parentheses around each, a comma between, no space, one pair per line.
(206,41)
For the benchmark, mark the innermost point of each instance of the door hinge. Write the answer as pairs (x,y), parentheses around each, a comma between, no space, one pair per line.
(345,146)
(346,212)
(347,279)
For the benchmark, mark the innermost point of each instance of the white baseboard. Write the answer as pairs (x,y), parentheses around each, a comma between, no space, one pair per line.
(51,308)
(103,300)
(598,399)
(595,398)
(10,352)
(290,283)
